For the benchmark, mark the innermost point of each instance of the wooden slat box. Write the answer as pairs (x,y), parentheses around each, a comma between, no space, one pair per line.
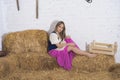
(102,48)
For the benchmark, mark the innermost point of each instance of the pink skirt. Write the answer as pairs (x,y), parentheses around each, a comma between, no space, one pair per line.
(63,57)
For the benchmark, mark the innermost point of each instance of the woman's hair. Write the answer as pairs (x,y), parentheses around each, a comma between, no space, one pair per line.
(62,34)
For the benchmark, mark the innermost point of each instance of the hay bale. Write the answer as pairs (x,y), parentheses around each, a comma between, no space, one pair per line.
(59,74)
(4,68)
(7,65)
(26,41)
(36,41)
(34,61)
(30,47)
(115,70)
(99,63)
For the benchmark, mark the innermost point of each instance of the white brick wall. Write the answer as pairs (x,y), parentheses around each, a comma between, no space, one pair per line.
(85,22)
(1,24)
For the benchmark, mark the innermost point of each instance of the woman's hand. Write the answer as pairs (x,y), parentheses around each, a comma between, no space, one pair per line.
(67,36)
(70,44)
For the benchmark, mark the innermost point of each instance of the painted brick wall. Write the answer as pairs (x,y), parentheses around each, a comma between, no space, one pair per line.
(85,22)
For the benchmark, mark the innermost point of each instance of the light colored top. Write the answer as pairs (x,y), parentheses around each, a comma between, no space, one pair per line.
(54,39)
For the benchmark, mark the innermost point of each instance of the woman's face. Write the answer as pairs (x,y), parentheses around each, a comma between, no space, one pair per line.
(60,28)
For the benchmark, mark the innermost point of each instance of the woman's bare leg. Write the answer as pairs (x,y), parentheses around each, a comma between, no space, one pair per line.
(80,52)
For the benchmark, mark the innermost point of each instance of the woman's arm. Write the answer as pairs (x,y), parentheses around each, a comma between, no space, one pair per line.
(61,45)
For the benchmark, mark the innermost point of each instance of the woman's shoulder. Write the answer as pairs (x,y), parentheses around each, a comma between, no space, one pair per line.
(53,34)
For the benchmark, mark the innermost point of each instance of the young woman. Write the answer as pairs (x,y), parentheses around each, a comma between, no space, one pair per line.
(63,48)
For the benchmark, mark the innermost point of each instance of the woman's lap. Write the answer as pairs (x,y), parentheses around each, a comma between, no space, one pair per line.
(63,57)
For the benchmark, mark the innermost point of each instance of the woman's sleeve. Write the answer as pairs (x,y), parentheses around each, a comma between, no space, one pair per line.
(54,38)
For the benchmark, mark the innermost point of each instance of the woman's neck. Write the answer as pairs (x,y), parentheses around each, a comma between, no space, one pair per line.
(58,34)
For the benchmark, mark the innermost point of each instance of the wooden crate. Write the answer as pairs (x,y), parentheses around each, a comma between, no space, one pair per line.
(102,48)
